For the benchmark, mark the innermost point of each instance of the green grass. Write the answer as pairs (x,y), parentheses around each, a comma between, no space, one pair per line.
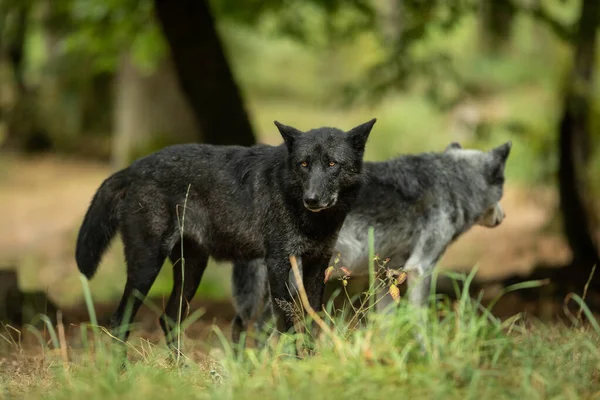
(468,354)
(468,357)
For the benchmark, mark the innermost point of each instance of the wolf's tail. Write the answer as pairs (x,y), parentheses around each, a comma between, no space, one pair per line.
(100,223)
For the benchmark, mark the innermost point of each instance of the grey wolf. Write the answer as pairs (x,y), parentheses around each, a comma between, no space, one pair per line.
(418,205)
(241,203)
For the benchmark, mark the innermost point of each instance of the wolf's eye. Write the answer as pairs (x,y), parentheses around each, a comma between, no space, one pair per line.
(304,164)
(331,163)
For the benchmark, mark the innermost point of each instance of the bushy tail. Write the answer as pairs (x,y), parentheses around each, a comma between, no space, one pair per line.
(99,224)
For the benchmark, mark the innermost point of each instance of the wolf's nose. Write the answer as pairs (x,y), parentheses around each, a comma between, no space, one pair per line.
(311,200)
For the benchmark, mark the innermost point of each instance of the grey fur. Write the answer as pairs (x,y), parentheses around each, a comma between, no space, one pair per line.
(418,205)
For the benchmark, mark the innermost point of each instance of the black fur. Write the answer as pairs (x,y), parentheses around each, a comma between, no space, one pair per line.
(243,203)
(100,222)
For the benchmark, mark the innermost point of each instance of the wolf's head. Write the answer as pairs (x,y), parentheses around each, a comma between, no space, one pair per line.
(487,172)
(325,162)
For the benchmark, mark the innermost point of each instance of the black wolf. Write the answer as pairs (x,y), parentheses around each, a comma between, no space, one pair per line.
(189,202)
(417,204)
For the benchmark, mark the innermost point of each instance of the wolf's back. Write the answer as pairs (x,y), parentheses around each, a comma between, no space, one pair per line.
(100,223)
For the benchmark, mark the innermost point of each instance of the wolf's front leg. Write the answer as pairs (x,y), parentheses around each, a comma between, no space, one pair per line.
(419,268)
(313,276)
(281,299)
(419,287)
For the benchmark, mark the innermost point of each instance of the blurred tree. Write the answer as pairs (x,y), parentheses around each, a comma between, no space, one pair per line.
(200,60)
(84,43)
(90,44)
(496,21)
(203,71)
(56,96)
(406,65)
(74,97)
(574,139)
(150,111)
(122,41)
(574,134)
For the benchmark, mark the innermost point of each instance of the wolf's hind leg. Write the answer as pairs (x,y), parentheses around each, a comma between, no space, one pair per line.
(185,285)
(249,286)
(144,262)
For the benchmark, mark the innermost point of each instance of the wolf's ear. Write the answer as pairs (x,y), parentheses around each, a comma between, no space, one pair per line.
(501,152)
(288,133)
(499,156)
(358,135)
(453,146)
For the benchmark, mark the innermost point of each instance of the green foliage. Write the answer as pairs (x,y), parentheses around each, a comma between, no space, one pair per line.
(10,25)
(306,21)
(410,61)
(415,58)
(104,30)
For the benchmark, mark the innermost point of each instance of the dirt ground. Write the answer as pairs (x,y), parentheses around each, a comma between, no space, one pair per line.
(42,202)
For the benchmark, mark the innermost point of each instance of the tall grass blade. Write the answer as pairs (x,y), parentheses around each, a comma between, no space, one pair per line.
(517,286)
(51,331)
(87,294)
(588,313)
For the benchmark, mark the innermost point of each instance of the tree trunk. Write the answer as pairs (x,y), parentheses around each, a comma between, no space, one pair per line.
(574,141)
(17,307)
(496,23)
(203,72)
(151,112)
